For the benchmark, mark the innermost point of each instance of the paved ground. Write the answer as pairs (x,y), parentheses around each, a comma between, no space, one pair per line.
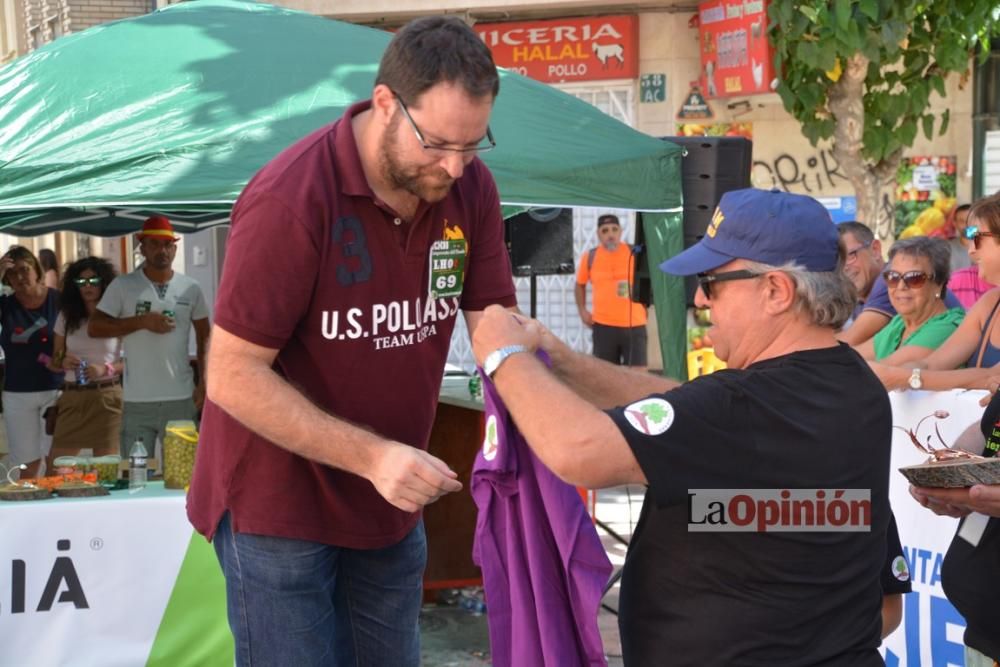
(456,637)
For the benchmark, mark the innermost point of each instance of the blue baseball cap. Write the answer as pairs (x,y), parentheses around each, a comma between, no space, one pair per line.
(771,227)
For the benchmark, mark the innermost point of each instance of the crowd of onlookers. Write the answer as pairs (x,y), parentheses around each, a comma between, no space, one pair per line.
(926,319)
(67,340)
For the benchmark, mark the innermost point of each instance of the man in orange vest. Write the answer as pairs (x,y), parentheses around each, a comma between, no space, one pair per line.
(619,323)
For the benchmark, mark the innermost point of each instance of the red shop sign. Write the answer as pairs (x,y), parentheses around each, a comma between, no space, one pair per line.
(564,50)
(735,54)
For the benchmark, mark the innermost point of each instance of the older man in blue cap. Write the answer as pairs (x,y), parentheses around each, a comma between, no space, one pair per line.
(745,551)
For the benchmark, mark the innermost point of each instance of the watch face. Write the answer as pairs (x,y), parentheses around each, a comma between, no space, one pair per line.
(491,362)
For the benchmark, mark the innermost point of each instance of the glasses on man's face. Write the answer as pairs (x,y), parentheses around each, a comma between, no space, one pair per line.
(852,255)
(912,279)
(443,151)
(93,280)
(705,280)
(976,236)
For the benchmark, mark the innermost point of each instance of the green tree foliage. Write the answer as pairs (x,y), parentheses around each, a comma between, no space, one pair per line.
(861,72)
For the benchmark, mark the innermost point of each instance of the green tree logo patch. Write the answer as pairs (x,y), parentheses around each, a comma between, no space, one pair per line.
(651,416)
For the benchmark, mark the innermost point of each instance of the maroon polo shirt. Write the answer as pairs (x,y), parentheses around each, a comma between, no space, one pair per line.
(320,269)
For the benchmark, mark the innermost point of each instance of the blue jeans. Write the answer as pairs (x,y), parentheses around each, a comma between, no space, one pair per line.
(292,602)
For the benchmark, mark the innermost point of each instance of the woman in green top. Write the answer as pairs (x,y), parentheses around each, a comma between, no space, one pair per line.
(916,276)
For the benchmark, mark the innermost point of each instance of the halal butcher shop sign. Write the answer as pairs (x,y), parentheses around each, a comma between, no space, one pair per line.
(565,50)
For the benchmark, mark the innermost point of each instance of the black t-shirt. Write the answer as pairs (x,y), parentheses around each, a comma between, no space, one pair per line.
(817,419)
(970,574)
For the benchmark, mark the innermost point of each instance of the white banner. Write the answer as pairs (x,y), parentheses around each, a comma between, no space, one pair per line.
(85,582)
(931,632)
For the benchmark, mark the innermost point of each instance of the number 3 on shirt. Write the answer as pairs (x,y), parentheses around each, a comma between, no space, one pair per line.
(351,271)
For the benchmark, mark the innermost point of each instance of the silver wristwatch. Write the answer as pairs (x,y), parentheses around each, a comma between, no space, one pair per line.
(497,357)
(915,382)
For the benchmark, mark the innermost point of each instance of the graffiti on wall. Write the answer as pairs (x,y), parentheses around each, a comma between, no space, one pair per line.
(817,174)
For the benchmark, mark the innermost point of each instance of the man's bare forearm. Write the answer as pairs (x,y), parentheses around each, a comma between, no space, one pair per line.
(604,384)
(104,326)
(253,394)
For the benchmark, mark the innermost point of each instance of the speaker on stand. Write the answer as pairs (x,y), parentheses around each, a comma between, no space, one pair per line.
(540,242)
(711,167)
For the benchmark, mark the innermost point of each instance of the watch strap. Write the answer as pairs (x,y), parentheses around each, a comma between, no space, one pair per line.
(497,357)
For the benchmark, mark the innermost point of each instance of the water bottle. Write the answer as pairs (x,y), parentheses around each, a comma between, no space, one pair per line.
(81,372)
(476,386)
(137,466)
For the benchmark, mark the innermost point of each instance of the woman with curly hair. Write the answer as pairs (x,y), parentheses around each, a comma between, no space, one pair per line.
(90,408)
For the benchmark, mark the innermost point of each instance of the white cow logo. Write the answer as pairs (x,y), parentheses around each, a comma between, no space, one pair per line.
(606,51)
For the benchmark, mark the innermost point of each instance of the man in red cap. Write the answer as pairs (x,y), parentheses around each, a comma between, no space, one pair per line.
(153,309)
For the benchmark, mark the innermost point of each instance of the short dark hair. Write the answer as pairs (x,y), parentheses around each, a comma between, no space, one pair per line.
(18,253)
(607,219)
(858,230)
(435,49)
(936,251)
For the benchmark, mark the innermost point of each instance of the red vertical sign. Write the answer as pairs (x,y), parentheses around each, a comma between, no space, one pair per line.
(735,54)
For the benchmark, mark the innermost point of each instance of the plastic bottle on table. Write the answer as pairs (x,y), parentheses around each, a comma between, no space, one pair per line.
(137,466)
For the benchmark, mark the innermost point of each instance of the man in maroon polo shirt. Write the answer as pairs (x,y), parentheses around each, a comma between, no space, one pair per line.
(350,255)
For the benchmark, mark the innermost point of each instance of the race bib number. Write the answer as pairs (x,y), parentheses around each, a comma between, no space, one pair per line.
(447,268)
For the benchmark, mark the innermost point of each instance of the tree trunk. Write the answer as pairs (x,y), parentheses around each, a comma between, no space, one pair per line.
(869,182)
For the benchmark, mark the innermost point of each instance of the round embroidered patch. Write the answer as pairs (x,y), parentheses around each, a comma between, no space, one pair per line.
(900,569)
(651,416)
(492,440)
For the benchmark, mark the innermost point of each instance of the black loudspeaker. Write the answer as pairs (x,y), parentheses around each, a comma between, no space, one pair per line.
(540,241)
(712,167)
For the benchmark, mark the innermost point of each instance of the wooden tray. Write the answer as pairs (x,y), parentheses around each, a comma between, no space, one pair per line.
(80,490)
(17,492)
(956,473)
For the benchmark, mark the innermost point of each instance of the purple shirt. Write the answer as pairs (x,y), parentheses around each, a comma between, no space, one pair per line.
(544,568)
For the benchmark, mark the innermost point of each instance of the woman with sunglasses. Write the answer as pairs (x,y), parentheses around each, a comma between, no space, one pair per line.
(916,277)
(29,386)
(90,408)
(976,342)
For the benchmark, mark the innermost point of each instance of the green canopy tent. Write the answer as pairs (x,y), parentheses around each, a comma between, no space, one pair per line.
(174,111)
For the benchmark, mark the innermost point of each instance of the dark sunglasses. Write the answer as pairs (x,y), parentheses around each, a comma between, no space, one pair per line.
(93,280)
(912,279)
(976,236)
(705,280)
